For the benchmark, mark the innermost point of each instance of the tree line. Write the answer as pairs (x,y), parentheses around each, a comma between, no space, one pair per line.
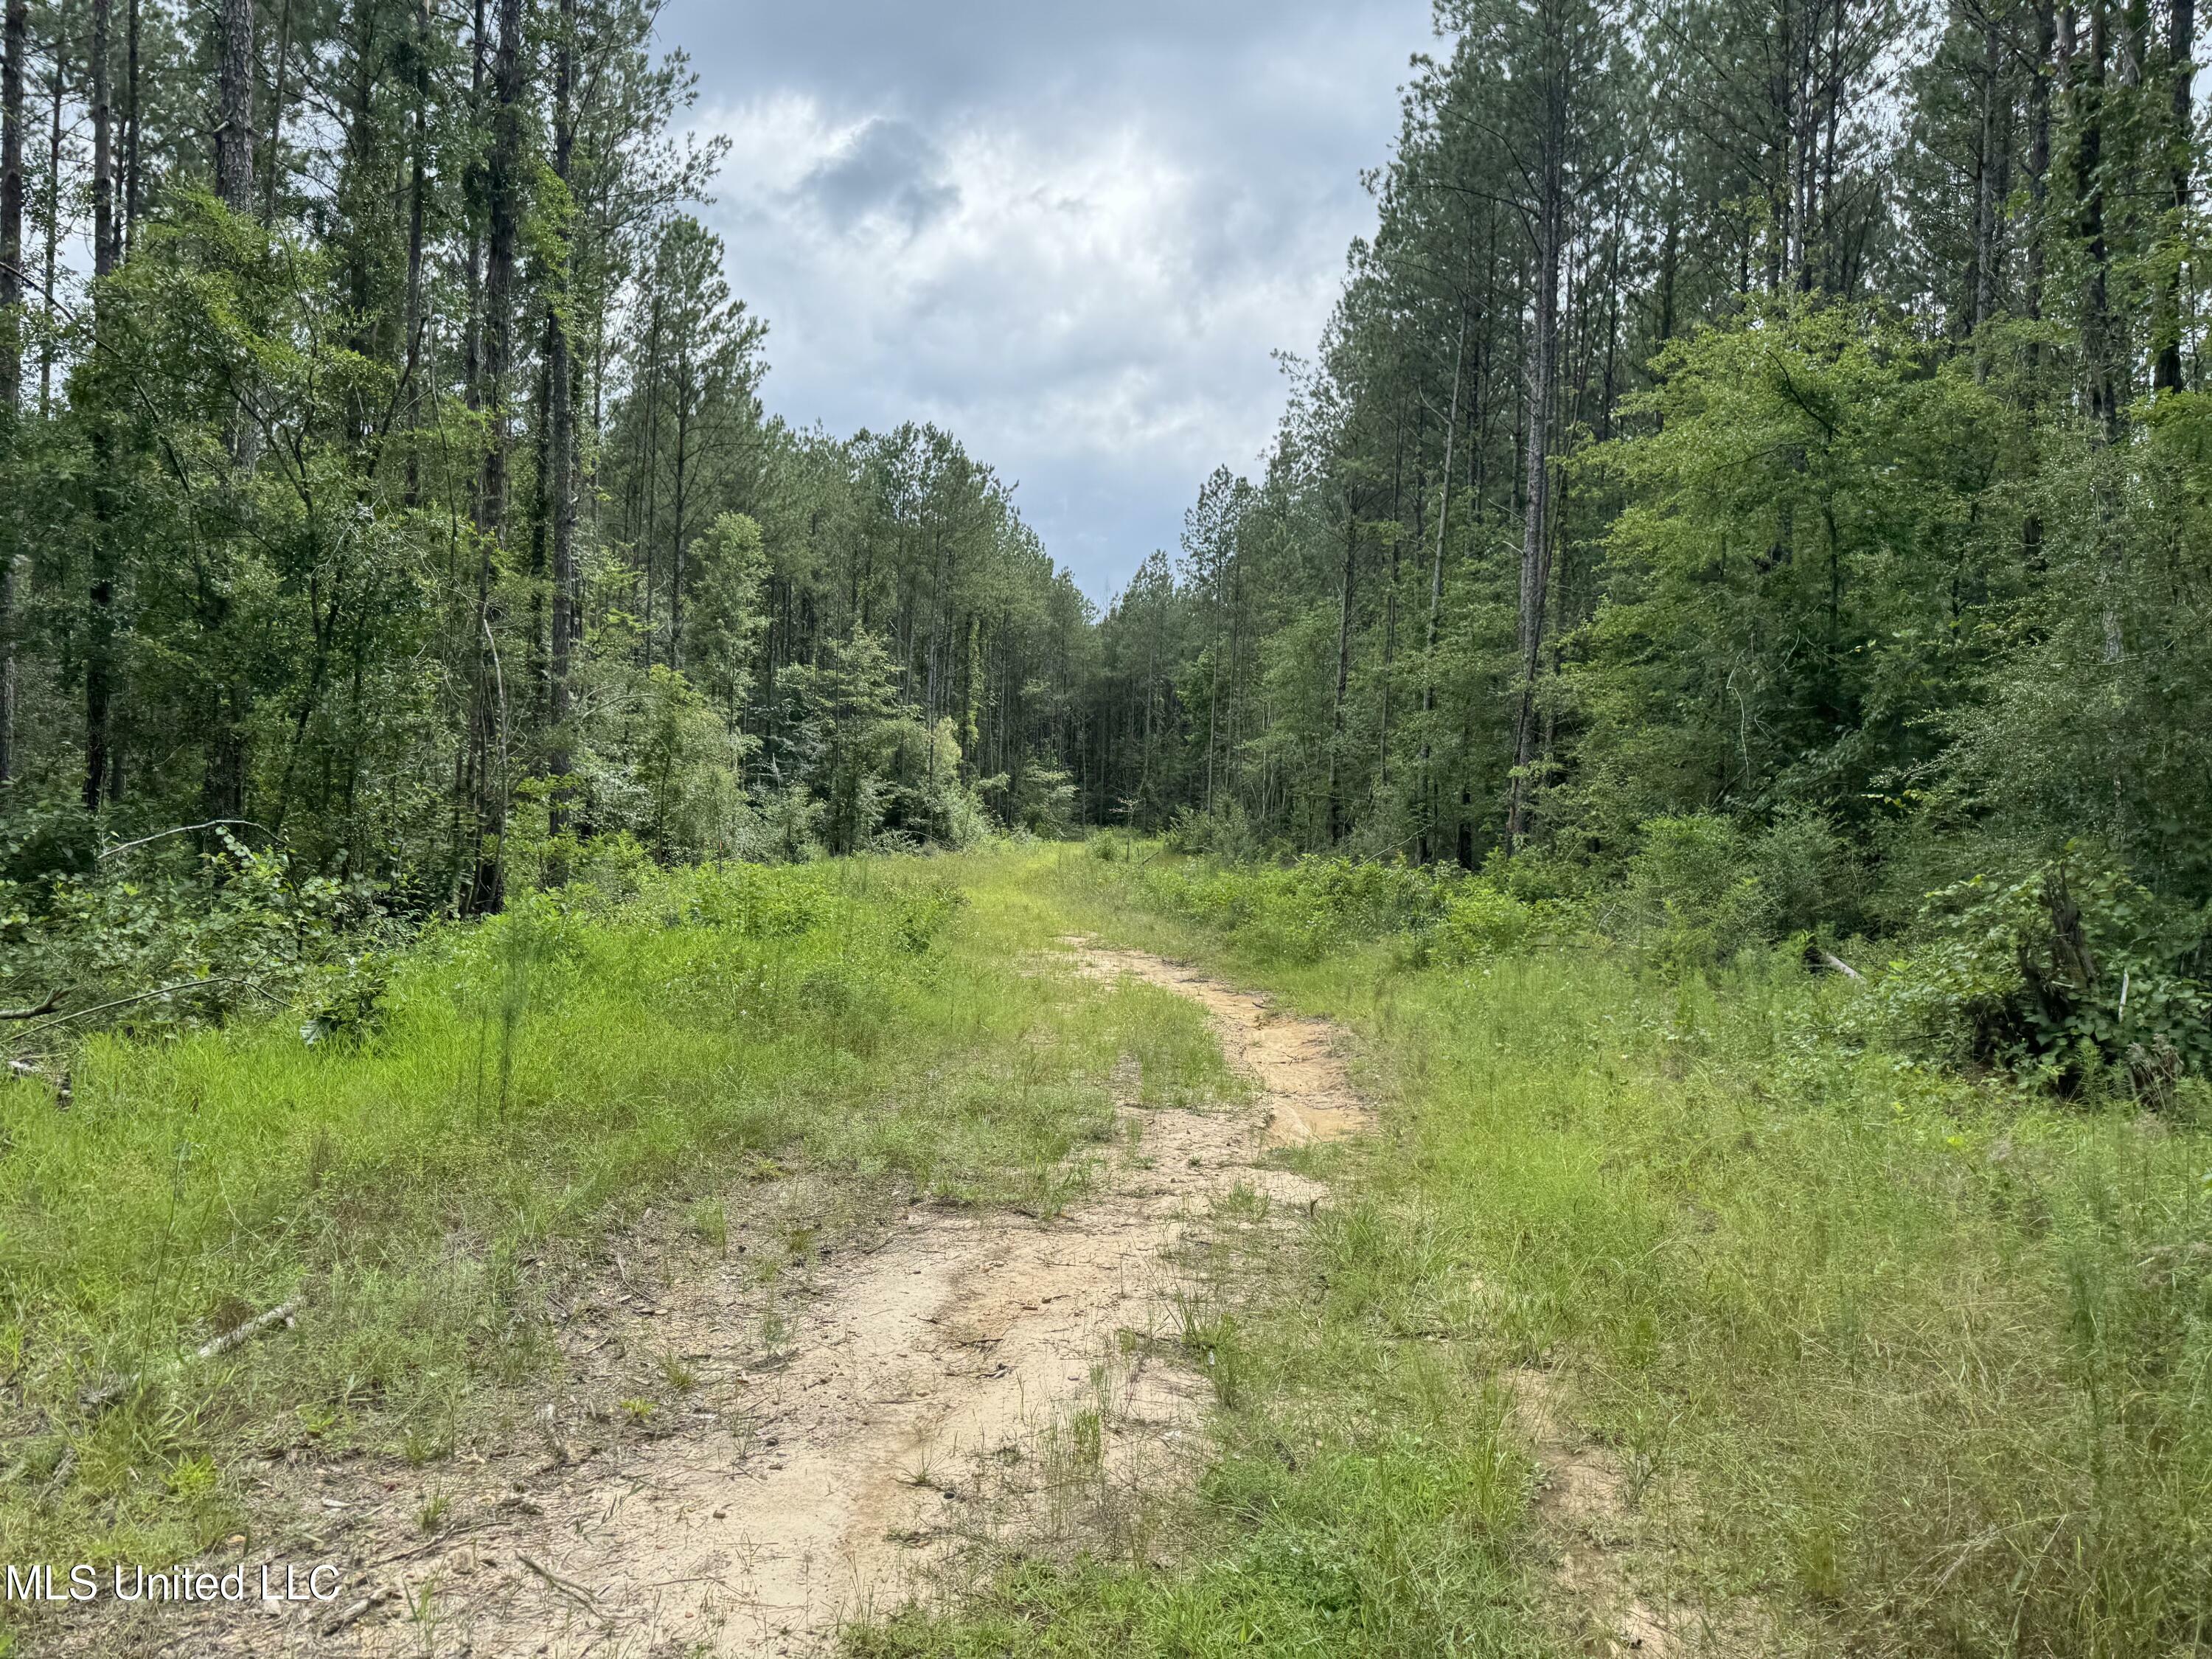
(383,467)
(1786,410)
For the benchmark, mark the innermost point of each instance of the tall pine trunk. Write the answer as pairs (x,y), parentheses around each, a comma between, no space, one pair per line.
(1985,196)
(14,46)
(417,197)
(1536,523)
(51,200)
(1344,594)
(233,130)
(562,416)
(223,783)
(1427,791)
(279,91)
(133,181)
(14,42)
(2166,374)
(102,765)
(503,189)
(503,212)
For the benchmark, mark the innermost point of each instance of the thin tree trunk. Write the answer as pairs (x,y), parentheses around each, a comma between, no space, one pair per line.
(1985,198)
(418,193)
(7,568)
(1436,596)
(503,187)
(53,202)
(14,42)
(1535,541)
(472,765)
(277,97)
(2039,156)
(541,525)
(134,196)
(102,767)
(104,245)
(2089,91)
(2165,376)
(1343,668)
(676,507)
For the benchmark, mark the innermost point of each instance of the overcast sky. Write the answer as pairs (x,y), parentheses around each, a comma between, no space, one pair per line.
(1071,231)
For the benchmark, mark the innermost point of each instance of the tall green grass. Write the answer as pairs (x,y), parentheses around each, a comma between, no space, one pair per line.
(419,1185)
(1910,1363)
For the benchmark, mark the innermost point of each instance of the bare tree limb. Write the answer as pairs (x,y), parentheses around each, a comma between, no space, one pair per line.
(187,828)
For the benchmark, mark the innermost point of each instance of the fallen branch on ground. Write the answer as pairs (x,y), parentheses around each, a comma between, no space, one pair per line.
(186,829)
(337,1622)
(99,1399)
(574,1592)
(280,1315)
(163,991)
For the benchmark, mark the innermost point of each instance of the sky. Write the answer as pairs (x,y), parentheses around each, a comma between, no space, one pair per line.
(1073,234)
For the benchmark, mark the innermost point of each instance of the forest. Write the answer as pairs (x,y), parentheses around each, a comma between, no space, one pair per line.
(1788,415)
(384,445)
(1582,1024)
(1784,417)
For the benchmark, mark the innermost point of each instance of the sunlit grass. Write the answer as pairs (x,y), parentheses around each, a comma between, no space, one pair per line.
(1907,1362)
(535,1082)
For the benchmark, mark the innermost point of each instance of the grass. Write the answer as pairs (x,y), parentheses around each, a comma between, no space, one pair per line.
(533,1084)
(1893,1361)
(1900,1362)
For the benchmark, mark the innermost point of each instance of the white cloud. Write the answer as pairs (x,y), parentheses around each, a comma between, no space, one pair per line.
(1085,287)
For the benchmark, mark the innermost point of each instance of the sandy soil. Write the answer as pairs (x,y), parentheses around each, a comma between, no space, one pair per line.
(847,1439)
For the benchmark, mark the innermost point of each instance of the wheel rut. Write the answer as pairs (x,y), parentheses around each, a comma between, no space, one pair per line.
(926,1393)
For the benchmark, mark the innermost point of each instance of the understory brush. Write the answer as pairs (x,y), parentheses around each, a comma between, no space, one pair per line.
(1300,912)
(162,935)
(416,1182)
(1894,1355)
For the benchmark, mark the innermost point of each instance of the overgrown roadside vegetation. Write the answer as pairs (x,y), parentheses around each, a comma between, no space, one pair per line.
(1894,1358)
(417,1179)
(1891,1313)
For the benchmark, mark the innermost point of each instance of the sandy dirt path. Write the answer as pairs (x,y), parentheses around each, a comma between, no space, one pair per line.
(968,1375)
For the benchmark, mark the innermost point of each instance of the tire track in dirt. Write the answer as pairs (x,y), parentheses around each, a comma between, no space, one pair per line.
(923,1392)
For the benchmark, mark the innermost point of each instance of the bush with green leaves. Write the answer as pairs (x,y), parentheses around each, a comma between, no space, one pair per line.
(1222,833)
(1695,897)
(1298,912)
(1481,922)
(169,934)
(2071,972)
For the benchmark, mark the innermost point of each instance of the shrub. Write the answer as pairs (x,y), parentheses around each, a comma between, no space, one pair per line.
(1479,922)
(1810,878)
(1224,834)
(1298,911)
(2061,975)
(1694,896)
(172,937)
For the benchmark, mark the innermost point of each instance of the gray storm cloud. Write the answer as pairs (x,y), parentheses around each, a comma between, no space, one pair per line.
(890,168)
(1074,235)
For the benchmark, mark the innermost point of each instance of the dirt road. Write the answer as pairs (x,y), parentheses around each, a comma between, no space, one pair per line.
(966,1377)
